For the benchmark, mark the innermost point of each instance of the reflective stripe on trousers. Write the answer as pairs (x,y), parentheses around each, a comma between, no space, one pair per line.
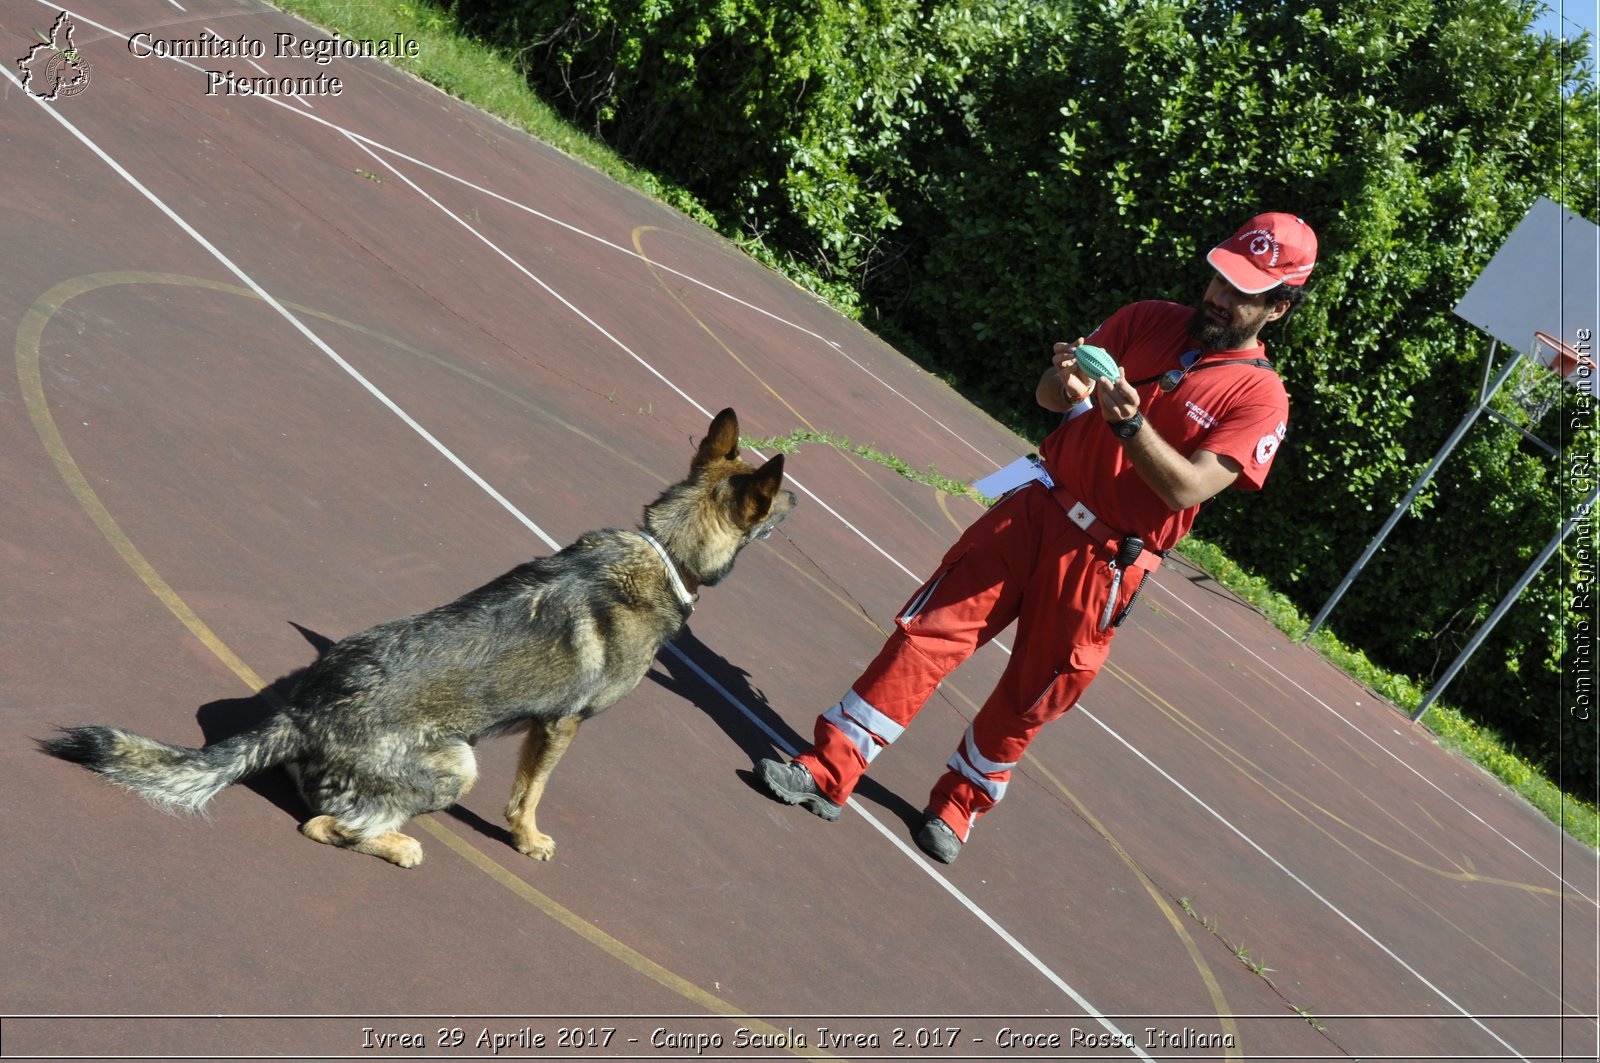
(979,769)
(867,729)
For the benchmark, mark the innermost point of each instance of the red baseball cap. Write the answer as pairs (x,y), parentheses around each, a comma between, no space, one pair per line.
(1268,250)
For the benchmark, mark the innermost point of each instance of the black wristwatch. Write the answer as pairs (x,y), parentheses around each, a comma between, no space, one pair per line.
(1129,428)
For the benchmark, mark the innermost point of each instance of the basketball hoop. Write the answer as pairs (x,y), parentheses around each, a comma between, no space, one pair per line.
(1575,369)
(1535,384)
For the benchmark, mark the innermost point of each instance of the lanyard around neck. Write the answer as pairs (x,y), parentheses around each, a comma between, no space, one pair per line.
(1187,366)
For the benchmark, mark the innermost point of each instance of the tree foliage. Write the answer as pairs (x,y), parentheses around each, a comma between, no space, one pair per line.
(993,175)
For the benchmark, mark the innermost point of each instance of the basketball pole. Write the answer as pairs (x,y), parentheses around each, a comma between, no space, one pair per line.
(1506,603)
(1484,395)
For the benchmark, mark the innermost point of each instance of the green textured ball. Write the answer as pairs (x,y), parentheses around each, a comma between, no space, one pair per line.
(1095,361)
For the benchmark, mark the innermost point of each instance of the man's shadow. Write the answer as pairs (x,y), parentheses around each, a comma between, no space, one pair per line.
(761,733)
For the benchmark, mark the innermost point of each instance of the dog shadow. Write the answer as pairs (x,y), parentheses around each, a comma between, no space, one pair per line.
(233,716)
(228,717)
(760,734)
(494,832)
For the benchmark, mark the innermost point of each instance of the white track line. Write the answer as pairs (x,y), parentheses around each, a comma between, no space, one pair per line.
(412,423)
(367,145)
(1275,862)
(296,97)
(916,858)
(602,241)
(1355,727)
(629,351)
(777,740)
(267,298)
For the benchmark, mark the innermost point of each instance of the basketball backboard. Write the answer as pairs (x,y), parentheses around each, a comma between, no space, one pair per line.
(1545,278)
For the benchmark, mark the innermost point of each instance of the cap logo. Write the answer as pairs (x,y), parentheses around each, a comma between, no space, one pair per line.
(1261,242)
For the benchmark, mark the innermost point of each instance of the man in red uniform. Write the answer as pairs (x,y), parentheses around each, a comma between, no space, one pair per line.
(1196,408)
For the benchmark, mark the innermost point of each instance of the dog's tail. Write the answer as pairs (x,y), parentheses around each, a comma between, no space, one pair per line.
(173,778)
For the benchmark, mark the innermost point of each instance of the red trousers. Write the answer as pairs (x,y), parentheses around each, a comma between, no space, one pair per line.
(1024,561)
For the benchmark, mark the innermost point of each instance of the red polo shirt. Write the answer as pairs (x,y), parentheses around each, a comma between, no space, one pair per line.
(1235,411)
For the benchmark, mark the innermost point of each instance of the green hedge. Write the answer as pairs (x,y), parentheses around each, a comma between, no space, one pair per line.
(991,175)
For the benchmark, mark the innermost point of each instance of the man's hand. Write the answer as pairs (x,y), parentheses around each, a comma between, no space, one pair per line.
(1063,385)
(1181,482)
(1116,399)
(1065,360)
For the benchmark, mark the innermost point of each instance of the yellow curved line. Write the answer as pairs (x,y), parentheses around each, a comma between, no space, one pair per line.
(29,338)
(601,940)
(29,335)
(729,351)
(1225,1017)
(1207,976)
(1239,762)
(638,247)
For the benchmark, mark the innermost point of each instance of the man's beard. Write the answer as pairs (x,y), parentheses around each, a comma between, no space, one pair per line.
(1215,336)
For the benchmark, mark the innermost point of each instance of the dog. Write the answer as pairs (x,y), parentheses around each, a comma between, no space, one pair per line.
(381,727)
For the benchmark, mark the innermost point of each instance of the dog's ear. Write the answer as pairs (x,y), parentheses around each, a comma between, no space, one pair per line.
(721,441)
(762,487)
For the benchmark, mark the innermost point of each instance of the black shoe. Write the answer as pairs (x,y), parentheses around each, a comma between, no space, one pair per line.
(938,840)
(792,784)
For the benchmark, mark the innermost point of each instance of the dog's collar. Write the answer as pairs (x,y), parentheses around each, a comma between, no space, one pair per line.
(685,599)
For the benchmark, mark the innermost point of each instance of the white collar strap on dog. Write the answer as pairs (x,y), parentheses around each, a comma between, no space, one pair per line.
(684,597)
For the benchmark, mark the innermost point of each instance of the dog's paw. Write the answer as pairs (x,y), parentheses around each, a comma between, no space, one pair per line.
(407,853)
(402,850)
(538,846)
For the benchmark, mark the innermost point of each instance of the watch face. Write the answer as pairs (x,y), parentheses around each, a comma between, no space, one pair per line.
(1126,429)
